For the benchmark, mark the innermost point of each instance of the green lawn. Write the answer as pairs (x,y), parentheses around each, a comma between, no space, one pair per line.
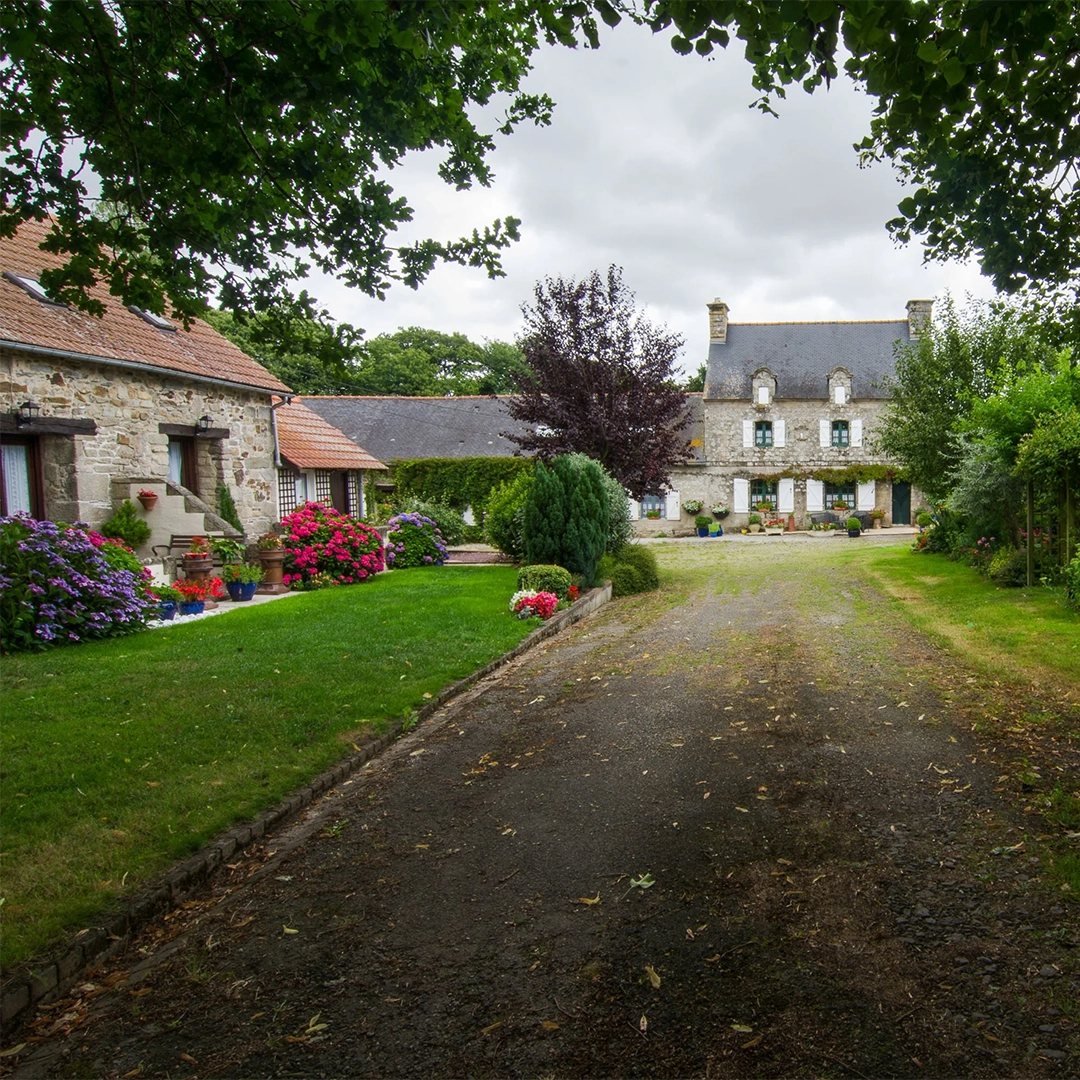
(1020,634)
(121,756)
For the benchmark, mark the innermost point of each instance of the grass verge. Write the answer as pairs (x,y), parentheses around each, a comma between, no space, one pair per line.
(121,756)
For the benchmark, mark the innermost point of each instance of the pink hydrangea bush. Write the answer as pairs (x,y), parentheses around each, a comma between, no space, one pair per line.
(325,547)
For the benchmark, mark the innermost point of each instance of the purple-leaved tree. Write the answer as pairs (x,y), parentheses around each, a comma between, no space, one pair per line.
(599,380)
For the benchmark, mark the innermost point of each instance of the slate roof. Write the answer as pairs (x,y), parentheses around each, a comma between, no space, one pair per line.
(119,335)
(403,428)
(801,355)
(307,441)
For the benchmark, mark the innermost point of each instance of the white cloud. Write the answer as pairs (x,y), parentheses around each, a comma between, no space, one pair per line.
(655,162)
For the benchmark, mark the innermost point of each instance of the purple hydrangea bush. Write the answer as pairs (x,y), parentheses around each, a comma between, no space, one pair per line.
(62,584)
(414,540)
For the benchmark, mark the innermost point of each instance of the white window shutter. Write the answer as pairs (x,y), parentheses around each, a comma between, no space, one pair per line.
(635,509)
(742,496)
(671,506)
(748,433)
(779,432)
(866,495)
(786,495)
(763,395)
(856,433)
(815,496)
(825,432)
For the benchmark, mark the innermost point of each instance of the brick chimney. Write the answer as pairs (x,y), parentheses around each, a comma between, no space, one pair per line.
(718,319)
(919,313)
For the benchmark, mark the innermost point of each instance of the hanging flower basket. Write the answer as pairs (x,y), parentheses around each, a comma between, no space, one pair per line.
(148,499)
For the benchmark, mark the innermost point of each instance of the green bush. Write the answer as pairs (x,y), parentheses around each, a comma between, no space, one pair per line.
(126,525)
(1009,568)
(504,515)
(545,577)
(924,520)
(754,519)
(1072,581)
(853,523)
(702,522)
(631,570)
(450,523)
(620,524)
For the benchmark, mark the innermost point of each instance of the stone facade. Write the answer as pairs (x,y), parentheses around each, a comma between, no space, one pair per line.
(79,471)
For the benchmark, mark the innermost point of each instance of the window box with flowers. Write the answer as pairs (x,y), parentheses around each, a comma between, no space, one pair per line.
(774,526)
(693,506)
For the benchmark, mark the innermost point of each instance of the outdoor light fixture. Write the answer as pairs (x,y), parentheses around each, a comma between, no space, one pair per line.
(28,412)
(202,425)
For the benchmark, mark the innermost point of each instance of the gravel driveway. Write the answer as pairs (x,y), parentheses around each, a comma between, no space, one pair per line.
(740,828)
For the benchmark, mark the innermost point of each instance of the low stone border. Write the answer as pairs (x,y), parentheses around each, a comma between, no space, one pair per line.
(98,943)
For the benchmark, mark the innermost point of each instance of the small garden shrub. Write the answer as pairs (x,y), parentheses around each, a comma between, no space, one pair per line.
(543,577)
(414,540)
(450,523)
(1009,568)
(1072,582)
(126,525)
(227,507)
(63,584)
(632,570)
(504,515)
(323,547)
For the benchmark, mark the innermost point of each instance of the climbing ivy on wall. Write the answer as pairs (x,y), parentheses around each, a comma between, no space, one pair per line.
(851,474)
(457,482)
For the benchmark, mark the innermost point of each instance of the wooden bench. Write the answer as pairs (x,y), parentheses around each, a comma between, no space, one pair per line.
(182,541)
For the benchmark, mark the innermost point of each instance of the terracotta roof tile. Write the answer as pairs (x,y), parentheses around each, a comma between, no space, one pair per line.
(119,334)
(309,442)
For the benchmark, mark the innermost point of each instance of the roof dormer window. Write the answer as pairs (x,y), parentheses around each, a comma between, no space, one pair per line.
(32,286)
(159,322)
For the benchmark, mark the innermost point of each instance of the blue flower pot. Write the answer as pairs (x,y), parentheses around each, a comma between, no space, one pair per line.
(192,607)
(241,590)
(167,610)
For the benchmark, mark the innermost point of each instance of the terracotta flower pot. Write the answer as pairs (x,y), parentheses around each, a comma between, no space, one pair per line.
(148,501)
(272,563)
(198,567)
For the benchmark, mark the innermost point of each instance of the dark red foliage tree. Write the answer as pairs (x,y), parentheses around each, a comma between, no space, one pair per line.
(599,380)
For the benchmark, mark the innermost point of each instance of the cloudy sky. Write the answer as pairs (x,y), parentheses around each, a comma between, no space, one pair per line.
(655,162)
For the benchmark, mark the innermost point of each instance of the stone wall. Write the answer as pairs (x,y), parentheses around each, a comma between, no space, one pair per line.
(128,407)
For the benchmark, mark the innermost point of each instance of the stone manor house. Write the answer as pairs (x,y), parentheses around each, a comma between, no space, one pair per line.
(785,400)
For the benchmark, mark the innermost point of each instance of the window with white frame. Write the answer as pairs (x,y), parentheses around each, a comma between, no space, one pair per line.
(841,433)
(763,433)
(764,495)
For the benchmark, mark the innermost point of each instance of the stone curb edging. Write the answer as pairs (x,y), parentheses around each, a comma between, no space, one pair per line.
(99,943)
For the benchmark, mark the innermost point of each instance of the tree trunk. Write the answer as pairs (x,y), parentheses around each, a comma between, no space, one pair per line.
(1030,533)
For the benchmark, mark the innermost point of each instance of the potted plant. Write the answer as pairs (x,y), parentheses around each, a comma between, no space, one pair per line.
(878,517)
(241,580)
(227,549)
(774,526)
(720,511)
(715,530)
(653,515)
(854,526)
(192,595)
(148,499)
(839,504)
(198,559)
(753,523)
(702,523)
(693,506)
(763,507)
(272,560)
(168,599)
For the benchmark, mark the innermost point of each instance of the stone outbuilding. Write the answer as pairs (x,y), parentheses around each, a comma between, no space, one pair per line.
(95,410)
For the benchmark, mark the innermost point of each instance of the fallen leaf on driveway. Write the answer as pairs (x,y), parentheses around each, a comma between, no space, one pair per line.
(288,930)
(752,1043)
(549,1025)
(653,977)
(589,900)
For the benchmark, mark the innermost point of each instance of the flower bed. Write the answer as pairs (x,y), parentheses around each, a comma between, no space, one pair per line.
(61,584)
(527,603)
(325,547)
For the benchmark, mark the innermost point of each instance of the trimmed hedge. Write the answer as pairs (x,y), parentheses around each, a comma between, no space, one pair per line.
(457,482)
(632,570)
(545,577)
